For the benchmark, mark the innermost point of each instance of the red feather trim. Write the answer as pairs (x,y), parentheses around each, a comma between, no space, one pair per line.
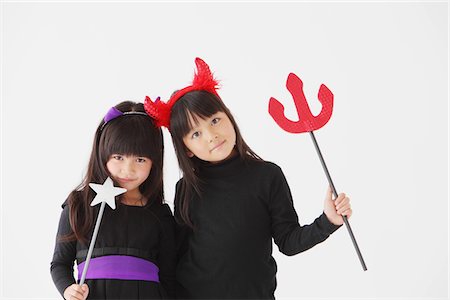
(203,81)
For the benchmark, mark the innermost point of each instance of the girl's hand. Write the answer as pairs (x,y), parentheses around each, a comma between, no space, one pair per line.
(76,292)
(335,209)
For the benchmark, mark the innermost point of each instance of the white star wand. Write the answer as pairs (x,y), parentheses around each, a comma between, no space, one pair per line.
(106,193)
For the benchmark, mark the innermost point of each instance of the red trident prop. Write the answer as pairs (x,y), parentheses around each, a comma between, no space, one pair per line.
(308,123)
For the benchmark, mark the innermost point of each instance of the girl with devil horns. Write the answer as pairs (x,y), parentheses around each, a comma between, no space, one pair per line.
(230,203)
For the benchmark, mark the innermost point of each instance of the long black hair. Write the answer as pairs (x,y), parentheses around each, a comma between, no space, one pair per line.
(200,104)
(129,134)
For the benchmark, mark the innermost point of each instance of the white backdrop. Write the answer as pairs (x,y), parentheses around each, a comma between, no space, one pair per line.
(65,64)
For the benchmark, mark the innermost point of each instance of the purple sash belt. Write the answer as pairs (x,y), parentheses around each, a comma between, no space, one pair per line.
(120,267)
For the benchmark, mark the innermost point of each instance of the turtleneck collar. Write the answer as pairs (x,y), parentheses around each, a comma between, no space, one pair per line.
(229,167)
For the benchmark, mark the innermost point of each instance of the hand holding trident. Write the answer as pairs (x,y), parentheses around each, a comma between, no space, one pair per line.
(308,123)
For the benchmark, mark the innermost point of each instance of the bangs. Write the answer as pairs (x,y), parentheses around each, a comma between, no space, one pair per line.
(131,135)
(193,105)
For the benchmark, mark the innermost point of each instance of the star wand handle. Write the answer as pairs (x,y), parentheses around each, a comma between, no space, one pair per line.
(330,181)
(92,244)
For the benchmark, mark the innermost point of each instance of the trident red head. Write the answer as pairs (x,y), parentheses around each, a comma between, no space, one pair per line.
(307,122)
(203,81)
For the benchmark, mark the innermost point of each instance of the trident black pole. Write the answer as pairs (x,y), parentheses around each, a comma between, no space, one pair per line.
(330,181)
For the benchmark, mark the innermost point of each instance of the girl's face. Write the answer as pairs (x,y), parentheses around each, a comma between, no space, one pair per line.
(129,171)
(212,139)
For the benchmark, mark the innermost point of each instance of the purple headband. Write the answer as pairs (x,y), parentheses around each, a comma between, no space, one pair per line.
(114,113)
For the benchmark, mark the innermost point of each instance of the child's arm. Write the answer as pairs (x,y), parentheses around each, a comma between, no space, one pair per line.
(290,237)
(182,232)
(63,256)
(167,252)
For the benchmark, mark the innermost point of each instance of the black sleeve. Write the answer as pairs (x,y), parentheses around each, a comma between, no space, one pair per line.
(182,231)
(167,253)
(61,267)
(289,236)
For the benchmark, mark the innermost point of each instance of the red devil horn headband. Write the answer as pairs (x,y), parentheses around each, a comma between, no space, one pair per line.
(203,81)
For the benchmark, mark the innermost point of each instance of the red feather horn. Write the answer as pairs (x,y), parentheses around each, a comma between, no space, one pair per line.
(203,81)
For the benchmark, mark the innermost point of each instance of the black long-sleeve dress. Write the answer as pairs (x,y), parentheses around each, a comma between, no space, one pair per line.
(141,232)
(228,254)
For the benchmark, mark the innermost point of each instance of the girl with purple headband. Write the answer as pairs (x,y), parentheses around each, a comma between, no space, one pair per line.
(134,255)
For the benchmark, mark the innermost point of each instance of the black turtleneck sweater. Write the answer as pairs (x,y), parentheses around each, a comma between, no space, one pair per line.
(228,254)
